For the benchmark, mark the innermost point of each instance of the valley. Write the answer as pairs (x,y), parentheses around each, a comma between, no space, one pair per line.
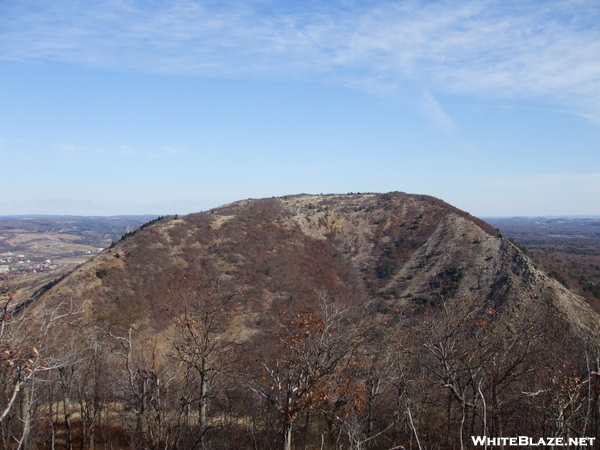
(38,249)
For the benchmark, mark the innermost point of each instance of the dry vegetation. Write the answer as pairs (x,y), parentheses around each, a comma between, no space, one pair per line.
(355,321)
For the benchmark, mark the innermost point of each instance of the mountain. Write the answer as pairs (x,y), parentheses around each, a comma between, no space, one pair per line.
(398,250)
(323,320)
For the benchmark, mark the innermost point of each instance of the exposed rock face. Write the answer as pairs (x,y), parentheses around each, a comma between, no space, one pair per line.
(402,252)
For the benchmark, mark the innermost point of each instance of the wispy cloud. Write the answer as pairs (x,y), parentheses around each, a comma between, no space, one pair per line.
(432,110)
(126,150)
(165,152)
(70,150)
(544,50)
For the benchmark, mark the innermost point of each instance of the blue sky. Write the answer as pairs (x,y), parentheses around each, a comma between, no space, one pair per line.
(151,107)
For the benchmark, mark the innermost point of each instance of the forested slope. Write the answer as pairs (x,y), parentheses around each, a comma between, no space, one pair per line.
(331,321)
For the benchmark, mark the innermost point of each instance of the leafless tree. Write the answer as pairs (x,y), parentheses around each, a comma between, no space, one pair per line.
(311,346)
(31,345)
(203,345)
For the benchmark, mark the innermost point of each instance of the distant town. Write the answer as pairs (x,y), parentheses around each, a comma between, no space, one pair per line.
(30,246)
(19,264)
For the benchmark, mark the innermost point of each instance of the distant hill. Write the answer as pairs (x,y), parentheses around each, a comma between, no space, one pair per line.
(92,230)
(323,321)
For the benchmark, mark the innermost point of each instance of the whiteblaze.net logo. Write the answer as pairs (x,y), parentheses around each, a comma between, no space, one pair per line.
(532,442)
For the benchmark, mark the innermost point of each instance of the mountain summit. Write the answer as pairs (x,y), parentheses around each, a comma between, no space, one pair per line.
(398,250)
(318,321)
